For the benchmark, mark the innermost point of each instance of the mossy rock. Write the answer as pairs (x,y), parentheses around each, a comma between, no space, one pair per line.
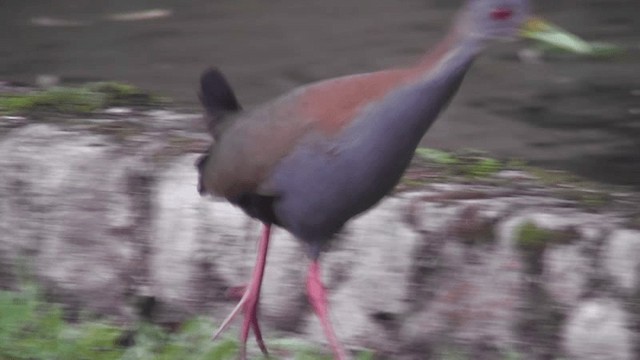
(531,237)
(78,100)
(54,100)
(467,163)
(120,94)
(476,164)
(533,240)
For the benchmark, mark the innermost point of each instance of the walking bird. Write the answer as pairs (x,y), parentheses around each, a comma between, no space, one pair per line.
(316,157)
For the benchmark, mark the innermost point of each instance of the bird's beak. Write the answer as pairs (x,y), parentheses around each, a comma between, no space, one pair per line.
(542,31)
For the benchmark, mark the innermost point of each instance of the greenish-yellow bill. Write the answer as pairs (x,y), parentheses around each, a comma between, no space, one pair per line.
(546,33)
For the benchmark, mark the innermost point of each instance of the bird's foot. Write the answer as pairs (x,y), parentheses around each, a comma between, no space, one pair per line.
(318,299)
(248,303)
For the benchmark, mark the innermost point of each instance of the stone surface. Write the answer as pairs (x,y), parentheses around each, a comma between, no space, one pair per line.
(598,329)
(107,219)
(622,258)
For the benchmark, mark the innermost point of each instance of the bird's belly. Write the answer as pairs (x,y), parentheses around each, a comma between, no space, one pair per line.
(325,183)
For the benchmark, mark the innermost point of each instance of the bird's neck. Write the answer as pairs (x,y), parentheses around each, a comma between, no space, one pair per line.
(455,50)
(333,104)
(436,79)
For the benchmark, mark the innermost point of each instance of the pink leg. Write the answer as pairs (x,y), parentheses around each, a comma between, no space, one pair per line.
(249,301)
(318,299)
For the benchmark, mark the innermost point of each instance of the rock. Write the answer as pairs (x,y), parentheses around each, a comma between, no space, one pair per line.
(597,329)
(566,273)
(622,258)
(110,222)
(65,211)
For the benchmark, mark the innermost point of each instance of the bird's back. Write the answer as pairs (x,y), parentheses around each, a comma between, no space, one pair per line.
(255,141)
(243,159)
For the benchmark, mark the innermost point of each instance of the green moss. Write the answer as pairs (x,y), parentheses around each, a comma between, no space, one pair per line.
(56,100)
(120,94)
(533,240)
(468,163)
(78,100)
(436,156)
(483,166)
(530,237)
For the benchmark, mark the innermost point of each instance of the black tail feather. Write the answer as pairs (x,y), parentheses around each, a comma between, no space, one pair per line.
(217,98)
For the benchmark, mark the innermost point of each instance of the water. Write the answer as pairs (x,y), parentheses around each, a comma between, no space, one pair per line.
(577,114)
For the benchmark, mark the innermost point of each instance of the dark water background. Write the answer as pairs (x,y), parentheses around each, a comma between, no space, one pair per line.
(564,112)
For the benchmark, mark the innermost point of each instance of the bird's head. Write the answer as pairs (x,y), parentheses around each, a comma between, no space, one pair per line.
(492,19)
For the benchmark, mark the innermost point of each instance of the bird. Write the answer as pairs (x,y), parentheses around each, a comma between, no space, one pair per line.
(314,158)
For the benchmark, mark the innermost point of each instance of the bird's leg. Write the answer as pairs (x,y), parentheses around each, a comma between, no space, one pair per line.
(249,301)
(318,299)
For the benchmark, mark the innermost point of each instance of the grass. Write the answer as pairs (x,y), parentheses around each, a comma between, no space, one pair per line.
(33,329)
(83,99)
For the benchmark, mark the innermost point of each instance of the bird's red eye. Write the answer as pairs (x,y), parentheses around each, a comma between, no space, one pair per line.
(501,13)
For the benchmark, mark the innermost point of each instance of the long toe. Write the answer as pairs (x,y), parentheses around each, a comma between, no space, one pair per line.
(248,304)
(318,299)
(230,317)
(258,333)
